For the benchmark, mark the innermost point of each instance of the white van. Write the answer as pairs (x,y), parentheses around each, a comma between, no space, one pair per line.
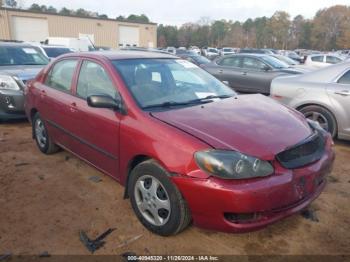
(77,44)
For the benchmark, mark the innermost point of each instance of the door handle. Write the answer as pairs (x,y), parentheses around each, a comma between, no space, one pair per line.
(221,71)
(244,73)
(42,93)
(342,93)
(73,107)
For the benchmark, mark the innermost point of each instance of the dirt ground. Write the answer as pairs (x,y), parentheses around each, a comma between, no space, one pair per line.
(46,200)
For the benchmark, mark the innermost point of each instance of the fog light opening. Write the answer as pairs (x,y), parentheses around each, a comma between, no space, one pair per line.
(240,218)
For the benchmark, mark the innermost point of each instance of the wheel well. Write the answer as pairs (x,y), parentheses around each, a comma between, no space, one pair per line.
(326,108)
(132,164)
(32,114)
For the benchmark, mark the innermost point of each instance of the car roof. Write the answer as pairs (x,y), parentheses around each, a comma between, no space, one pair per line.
(248,54)
(122,55)
(326,74)
(18,44)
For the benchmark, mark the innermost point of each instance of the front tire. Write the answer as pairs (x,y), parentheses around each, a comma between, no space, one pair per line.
(157,202)
(324,117)
(42,137)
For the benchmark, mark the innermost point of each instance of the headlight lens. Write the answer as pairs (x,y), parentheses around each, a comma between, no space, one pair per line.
(232,164)
(8,83)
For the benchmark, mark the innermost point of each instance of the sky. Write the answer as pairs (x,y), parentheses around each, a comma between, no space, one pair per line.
(178,12)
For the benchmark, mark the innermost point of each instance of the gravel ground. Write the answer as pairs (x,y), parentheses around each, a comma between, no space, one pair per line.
(46,200)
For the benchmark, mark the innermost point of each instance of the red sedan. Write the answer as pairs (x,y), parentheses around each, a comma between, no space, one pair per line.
(185,146)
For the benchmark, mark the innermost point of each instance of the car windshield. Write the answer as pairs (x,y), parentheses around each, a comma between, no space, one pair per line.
(56,51)
(227,49)
(21,55)
(274,62)
(201,59)
(286,59)
(169,83)
(212,50)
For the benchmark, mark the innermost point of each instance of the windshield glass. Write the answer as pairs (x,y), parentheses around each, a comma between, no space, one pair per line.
(212,50)
(201,59)
(287,60)
(21,55)
(164,82)
(227,49)
(56,51)
(274,62)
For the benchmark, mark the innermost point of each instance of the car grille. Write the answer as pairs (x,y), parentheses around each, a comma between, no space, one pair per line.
(308,151)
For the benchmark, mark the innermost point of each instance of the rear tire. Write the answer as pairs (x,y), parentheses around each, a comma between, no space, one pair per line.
(324,117)
(42,137)
(165,211)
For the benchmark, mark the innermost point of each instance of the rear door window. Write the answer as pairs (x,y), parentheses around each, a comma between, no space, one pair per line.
(345,79)
(318,58)
(94,80)
(61,75)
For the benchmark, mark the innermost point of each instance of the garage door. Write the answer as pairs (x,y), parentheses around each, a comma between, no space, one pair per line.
(29,29)
(129,36)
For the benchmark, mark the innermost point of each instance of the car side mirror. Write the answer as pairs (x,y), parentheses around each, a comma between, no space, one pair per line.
(266,68)
(103,101)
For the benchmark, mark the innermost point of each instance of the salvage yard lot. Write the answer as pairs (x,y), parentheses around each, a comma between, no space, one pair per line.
(46,200)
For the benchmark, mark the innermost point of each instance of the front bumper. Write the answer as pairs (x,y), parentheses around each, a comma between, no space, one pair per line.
(213,202)
(11,104)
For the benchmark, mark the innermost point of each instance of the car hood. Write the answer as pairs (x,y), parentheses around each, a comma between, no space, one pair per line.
(293,70)
(251,124)
(23,72)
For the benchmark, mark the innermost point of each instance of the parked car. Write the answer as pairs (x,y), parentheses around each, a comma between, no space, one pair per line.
(249,73)
(196,59)
(227,51)
(255,51)
(182,52)
(322,60)
(196,49)
(183,144)
(19,63)
(293,55)
(55,51)
(171,50)
(322,95)
(211,53)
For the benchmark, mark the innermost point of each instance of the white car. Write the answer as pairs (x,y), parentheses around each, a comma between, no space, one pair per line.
(322,60)
(171,50)
(212,53)
(227,51)
(196,49)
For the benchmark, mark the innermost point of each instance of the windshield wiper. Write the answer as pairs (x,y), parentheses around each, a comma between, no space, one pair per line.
(212,97)
(174,104)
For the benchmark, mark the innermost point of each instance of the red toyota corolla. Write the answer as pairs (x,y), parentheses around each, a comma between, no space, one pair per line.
(184,145)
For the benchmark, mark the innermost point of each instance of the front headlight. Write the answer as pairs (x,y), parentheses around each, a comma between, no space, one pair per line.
(232,164)
(8,83)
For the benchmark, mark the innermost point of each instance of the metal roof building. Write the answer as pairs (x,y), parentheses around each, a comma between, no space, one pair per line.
(23,25)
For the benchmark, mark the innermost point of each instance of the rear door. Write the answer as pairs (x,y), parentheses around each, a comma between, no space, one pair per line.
(339,92)
(54,99)
(96,130)
(229,70)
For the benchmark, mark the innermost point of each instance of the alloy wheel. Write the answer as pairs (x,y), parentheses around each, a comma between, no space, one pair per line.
(318,117)
(152,200)
(40,133)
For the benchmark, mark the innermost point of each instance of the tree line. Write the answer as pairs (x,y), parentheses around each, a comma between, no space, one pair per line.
(79,12)
(328,30)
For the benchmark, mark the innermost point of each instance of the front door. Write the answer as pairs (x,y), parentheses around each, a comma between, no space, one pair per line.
(96,129)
